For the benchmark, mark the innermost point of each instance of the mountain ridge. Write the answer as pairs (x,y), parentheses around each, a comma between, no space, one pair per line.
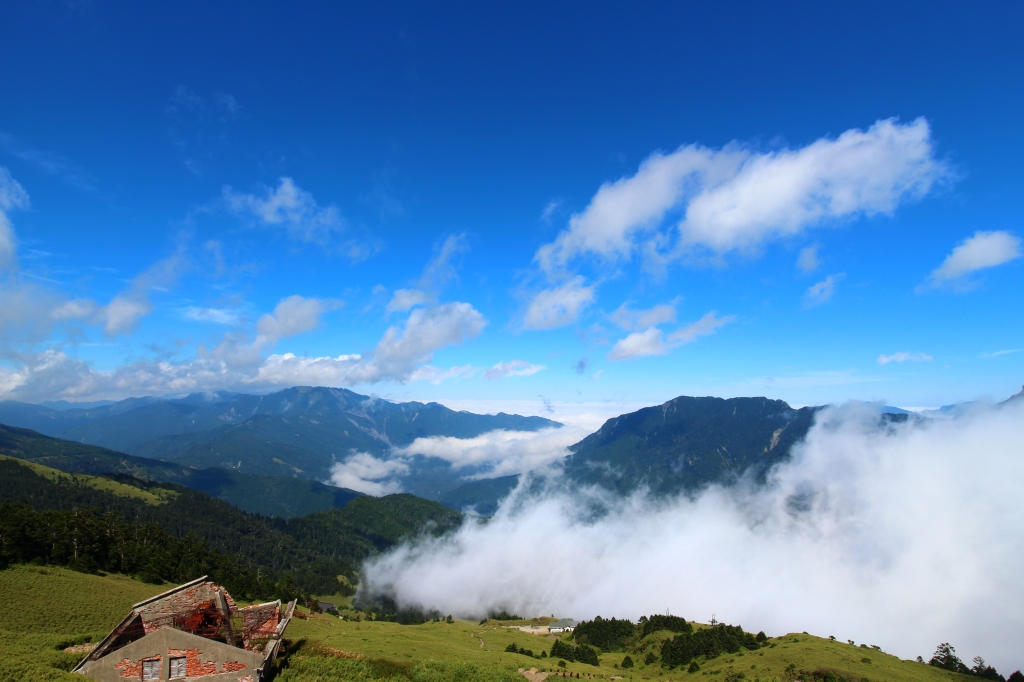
(300,432)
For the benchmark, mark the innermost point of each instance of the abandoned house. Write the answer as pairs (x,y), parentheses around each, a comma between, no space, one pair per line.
(194,630)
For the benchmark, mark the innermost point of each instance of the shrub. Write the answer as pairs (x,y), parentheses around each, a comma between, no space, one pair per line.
(627,662)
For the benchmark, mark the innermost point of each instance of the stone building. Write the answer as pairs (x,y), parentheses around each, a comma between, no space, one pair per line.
(193,631)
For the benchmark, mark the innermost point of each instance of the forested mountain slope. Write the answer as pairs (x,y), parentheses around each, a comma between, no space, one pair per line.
(687,443)
(282,496)
(314,550)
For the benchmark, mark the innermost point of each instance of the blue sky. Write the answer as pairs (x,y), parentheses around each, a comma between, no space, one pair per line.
(507,204)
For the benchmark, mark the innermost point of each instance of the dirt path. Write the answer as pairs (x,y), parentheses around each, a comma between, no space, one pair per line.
(532,675)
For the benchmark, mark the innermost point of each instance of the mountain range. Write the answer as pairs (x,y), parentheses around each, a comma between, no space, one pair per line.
(300,432)
(272,454)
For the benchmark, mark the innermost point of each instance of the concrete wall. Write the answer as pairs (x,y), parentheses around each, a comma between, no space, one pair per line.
(206,659)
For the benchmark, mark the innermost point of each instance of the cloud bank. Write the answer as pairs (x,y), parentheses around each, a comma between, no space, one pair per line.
(904,536)
(238,363)
(489,455)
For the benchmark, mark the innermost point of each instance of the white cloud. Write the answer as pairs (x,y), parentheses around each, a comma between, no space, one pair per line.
(708,324)
(294,315)
(75,309)
(436,375)
(425,331)
(288,369)
(12,196)
(513,368)
(549,210)
(124,311)
(735,199)
(407,299)
(999,353)
(438,272)
(26,311)
(821,292)
(630,319)
(399,356)
(859,532)
(982,250)
(365,473)
(500,452)
(653,341)
(904,357)
(809,260)
(238,364)
(290,207)
(558,306)
(228,316)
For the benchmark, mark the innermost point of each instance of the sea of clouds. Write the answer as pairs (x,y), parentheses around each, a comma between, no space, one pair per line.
(901,535)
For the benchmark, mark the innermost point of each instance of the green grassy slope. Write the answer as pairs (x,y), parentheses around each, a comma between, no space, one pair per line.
(49,609)
(284,496)
(787,658)
(149,496)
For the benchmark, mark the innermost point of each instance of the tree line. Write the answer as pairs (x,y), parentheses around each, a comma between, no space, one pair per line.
(945,657)
(688,644)
(90,540)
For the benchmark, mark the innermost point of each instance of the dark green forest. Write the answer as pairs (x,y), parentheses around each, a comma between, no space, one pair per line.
(709,643)
(312,551)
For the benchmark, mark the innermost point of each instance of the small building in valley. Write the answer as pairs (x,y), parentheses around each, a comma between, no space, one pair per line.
(193,631)
(562,625)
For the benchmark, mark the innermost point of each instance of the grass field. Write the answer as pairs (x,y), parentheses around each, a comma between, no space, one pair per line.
(49,609)
(789,657)
(154,496)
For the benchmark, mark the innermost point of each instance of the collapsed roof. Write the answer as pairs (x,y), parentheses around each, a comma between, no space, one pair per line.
(201,608)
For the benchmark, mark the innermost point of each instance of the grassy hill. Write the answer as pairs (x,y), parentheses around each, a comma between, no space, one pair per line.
(786,658)
(284,496)
(49,609)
